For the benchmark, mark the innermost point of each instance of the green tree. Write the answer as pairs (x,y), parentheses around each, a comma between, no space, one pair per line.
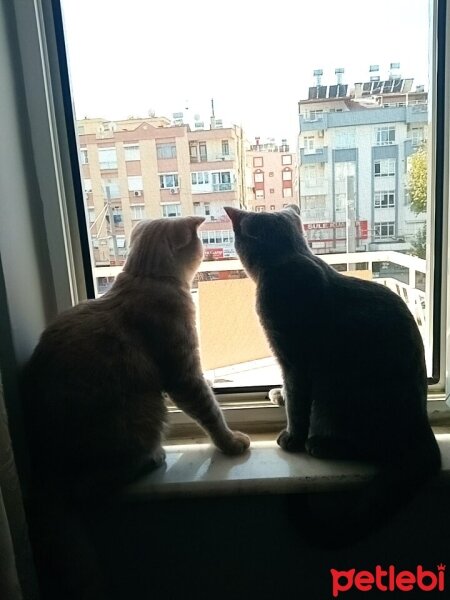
(418,180)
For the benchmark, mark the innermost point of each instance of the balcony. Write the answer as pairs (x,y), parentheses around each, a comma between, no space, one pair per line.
(313,156)
(108,165)
(213,158)
(223,187)
(415,113)
(313,187)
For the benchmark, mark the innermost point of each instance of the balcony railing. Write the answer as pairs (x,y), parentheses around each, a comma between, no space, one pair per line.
(222,187)
(111,164)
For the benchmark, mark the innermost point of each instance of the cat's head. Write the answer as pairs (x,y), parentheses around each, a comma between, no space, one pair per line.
(165,247)
(263,239)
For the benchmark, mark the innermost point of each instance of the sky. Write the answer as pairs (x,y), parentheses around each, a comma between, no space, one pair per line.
(255,58)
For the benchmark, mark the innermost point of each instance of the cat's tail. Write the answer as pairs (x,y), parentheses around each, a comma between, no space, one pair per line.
(344,518)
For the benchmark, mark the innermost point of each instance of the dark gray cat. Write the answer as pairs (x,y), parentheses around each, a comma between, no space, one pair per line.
(355,382)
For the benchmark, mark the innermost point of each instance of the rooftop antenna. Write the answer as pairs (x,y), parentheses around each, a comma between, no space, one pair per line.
(318,75)
(339,72)
(213,116)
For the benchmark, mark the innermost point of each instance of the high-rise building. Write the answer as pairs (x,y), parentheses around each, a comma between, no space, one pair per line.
(354,146)
(151,168)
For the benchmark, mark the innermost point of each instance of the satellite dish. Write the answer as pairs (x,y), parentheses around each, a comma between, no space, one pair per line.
(151,112)
(196,117)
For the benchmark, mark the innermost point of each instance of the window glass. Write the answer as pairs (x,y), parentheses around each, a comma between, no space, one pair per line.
(132,152)
(356,145)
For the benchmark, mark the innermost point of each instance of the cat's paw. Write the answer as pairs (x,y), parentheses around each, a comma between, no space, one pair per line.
(237,443)
(158,457)
(288,442)
(276,396)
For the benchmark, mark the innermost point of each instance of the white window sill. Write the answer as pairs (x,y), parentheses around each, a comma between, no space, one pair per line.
(200,470)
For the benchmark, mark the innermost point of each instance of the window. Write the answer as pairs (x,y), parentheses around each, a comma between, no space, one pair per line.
(417,136)
(84,156)
(384,230)
(171,210)
(200,178)
(132,152)
(117,216)
(345,139)
(91,215)
(202,209)
(364,191)
(384,168)
(221,181)
(111,188)
(107,158)
(169,180)
(385,136)
(217,238)
(135,183)
(193,152)
(260,208)
(315,114)
(137,212)
(203,152)
(309,143)
(384,199)
(166,150)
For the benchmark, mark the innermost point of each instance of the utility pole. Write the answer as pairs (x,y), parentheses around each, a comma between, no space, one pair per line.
(350,219)
(112,226)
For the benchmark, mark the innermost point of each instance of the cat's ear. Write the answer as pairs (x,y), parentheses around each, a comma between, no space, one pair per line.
(183,231)
(196,221)
(137,231)
(294,208)
(235,215)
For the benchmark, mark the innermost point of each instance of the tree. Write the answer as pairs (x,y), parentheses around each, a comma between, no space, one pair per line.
(417,187)
(418,180)
(419,245)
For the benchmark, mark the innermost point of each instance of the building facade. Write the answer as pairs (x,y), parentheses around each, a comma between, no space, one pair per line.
(149,168)
(354,147)
(273,182)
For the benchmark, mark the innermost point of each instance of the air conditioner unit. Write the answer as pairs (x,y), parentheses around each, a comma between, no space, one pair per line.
(175,190)
(137,193)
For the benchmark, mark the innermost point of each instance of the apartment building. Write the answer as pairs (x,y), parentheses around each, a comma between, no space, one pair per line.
(273,181)
(354,149)
(150,168)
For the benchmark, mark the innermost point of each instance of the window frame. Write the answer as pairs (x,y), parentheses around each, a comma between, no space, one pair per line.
(69,249)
